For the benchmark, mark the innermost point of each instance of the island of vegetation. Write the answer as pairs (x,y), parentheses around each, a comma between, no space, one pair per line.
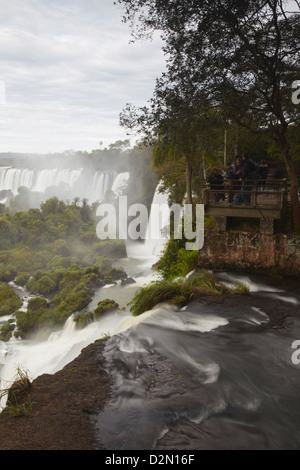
(54,253)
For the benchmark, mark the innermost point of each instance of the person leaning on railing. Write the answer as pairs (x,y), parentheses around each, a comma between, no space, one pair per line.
(232,183)
(263,172)
(216,182)
(249,175)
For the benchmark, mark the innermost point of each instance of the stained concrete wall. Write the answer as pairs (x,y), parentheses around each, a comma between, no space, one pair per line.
(247,251)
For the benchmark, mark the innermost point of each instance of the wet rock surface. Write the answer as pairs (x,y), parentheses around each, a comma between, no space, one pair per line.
(63,405)
(169,384)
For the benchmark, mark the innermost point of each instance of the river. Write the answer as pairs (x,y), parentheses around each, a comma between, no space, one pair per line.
(217,374)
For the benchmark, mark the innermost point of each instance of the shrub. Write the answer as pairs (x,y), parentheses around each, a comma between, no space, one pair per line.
(7,273)
(60,247)
(19,402)
(28,322)
(180,291)
(187,261)
(42,285)
(83,319)
(22,279)
(6,330)
(106,305)
(116,273)
(9,300)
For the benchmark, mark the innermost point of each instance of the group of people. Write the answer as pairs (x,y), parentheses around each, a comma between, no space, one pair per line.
(239,180)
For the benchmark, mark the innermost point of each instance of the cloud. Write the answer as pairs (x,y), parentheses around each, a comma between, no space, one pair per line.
(69,70)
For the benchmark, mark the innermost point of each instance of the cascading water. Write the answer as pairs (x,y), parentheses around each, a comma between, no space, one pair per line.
(120,183)
(38,357)
(100,184)
(70,182)
(217,374)
(155,238)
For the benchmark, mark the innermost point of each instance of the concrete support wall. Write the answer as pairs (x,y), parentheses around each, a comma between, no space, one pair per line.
(246,251)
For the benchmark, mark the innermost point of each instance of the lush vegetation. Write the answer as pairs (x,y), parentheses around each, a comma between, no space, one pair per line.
(176,261)
(181,291)
(53,252)
(9,300)
(107,305)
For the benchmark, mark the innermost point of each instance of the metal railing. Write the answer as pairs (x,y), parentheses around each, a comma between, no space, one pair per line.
(267,194)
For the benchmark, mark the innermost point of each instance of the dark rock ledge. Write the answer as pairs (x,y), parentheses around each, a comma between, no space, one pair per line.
(63,406)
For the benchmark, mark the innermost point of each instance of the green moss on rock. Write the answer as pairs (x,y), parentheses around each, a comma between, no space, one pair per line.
(106,305)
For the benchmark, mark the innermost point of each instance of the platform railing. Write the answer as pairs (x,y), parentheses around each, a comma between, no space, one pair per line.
(271,193)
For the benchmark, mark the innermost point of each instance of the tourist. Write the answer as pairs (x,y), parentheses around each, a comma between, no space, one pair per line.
(232,179)
(238,199)
(249,176)
(216,182)
(263,172)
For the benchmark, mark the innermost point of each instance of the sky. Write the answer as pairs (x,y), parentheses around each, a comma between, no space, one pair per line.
(68,68)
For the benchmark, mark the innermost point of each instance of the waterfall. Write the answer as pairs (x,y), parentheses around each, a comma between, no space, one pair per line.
(155,239)
(12,178)
(54,177)
(101,183)
(120,183)
(36,180)
(158,221)
(63,183)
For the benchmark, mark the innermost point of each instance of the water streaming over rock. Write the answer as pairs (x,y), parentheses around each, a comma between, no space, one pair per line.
(215,375)
(156,235)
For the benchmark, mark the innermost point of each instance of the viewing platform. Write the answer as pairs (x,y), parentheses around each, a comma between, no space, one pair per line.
(256,201)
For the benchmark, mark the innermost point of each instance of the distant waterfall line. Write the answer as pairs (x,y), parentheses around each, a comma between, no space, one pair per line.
(75,182)
(83,183)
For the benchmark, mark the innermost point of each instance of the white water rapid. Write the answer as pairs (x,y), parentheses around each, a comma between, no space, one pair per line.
(38,357)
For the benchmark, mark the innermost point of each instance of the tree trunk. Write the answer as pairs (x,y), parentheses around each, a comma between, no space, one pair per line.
(188,174)
(225,147)
(285,150)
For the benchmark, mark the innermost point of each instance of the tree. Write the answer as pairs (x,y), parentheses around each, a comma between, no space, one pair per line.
(174,124)
(244,55)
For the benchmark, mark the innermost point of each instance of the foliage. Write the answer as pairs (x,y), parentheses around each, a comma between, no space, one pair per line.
(19,402)
(176,261)
(22,279)
(9,300)
(6,330)
(106,305)
(238,56)
(71,292)
(29,321)
(181,291)
(83,319)
(51,251)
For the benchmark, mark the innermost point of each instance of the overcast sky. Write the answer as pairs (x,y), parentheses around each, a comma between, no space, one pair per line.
(69,69)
